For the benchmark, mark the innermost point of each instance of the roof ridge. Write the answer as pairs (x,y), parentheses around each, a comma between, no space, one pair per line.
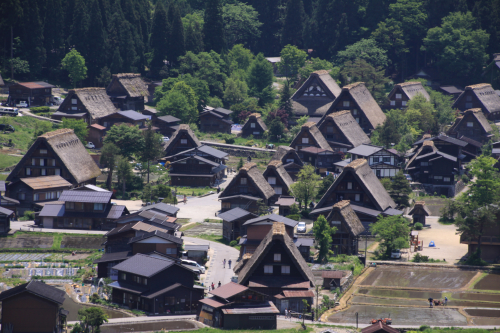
(352,85)
(357,163)
(248,166)
(338,113)
(477,86)
(57,132)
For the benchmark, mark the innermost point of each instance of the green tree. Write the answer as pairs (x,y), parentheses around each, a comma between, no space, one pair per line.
(104,77)
(276,128)
(158,40)
(153,148)
(127,138)
(293,26)
(194,38)
(325,185)
(306,186)
(421,114)
(361,71)
(77,125)
(239,58)
(124,173)
(260,75)
(207,67)
(292,59)
(74,63)
(285,99)
(390,37)
(323,236)
(236,91)
(199,86)
(366,49)
(316,64)
(91,319)
(110,154)
(176,41)
(94,56)
(400,190)
(240,163)
(179,102)
(392,233)
(213,28)
(241,24)
(458,47)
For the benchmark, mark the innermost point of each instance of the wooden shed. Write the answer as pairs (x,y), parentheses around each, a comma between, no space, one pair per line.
(419,212)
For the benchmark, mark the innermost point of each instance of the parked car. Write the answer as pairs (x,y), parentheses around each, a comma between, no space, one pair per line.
(57,100)
(7,128)
(408,177)
(301,227)
(166,138)
(195,265)
(396,254)
(22,104)
(90,145)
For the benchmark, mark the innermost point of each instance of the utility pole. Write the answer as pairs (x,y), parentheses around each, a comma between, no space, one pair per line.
(317,304)
(366,250)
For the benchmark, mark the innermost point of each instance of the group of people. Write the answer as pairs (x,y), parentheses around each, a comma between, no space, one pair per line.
(212,286)
(432,302)
(228,262)
(288,313)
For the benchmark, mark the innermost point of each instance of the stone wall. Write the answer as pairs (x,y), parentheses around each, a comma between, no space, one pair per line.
(241,151)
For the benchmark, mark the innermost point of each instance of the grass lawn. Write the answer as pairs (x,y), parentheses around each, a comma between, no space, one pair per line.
(25,129)
(216,238)
(3,177)
(196,190)
(187,227)
(7,160)
(260,143)
(261,162)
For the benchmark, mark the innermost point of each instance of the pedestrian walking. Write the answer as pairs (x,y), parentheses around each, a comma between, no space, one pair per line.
(430,301)
(213,286)
(445,300)
(224,263)
(219,285)
(286,313)
(229,262)
(218,189)
(185,199)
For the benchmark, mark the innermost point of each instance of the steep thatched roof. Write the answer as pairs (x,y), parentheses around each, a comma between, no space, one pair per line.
(349,218)
(132,83)
(420,207)
(428,149)
(364,100)
(316,135)
(276,234)
(254,118)
(253,175)
(348,126)
(284,151)
(485,94)
(316,94)
(280,170)
(70,152)
(95,101)
(369,182)
(411,89)
(478,115)
(183,128)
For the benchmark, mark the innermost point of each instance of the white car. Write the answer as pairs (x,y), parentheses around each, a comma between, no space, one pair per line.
(301,227)
(396,254)
(195,265)
(90,145)
(166,138)
(22,104)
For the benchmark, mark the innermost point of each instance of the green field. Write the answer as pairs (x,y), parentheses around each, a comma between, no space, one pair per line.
(7,161)
(25,127)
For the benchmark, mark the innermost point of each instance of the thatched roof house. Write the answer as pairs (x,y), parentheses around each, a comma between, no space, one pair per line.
(182,139)
(342,131)
(358,99)
(65,155)
(278,178)
(349,227)
(401,93)
(90,104)
(290,159)
(253,126)
(473,124)
(293,274)
(316,95)
(480,96)
(309,136)
(127,91)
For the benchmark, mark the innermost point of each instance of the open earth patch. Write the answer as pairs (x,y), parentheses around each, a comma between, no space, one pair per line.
(26,242)
(81,242)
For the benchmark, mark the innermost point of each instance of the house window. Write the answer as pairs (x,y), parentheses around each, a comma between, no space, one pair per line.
(98,206)
(52,162)
(33,161)
(105,124)
(398,96)
(22,196)
(42,162)
(184,141)
(36,197)
(252,125)
(470,124)
(43,151)
(468,105)
(355,112)
(393,103)
(28,171)
(74,108)
(290,160)
(377,172)
(387,159)
(57,172)
(58,194)
(277,257)
(70,205)
(44,172)
(403,103)
(357,120)
(349,185)
(145,281)
(438,177)
(329,129)
(271,180)
(73,101)
(256,133)
(278,190)
(285,269)
(243,181)
(375,160)
(268,269)
(346,103)
(123,276)
(424,163)
(468,98)
(446,179)
(305,140)
(171,250)
(357,197)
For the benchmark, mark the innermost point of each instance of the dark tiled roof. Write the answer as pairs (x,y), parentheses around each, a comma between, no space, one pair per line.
(86,196)
(234,214)
(116,211)
(128,287)
(332,274)
(163,291)
(365,150)
(36,288)
(224,111)
(169,119)
(144,265)
(52,211)
(163,207)
(228,290)
(303,242)
(212,151)
(196,247)
(114,256)
(272,218)
(134,115)
(156,233)
(6,211)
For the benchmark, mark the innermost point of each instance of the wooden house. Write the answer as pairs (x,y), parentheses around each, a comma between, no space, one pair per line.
(285,203)
(358,99)
(473,125)
(33,93)
(85,210)
(56,153)
(276,266)
(5,216)
(322,159)
(96,135)
(332,279)
(384,162)
(233,306)
(204,151)
(379,327)
(278,178)
(232,222)
(309,136)
(161,208)
(402,93)
(216,120)
(167,125)
(290,159)
(490,240)
(254,126)
(89,104)
(194,171)
(358,184)
(480,96)
(451,91)
(33,307)
(158,241)
(349,227)
(156,285)
(246,189)
(316,95)
(342,131)
(182,140)
(419,212)
(33,190)
(127,91)
(443,143)
(128,117)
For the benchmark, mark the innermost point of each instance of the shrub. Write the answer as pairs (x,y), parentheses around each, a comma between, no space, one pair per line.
(94,298)
(424,327)
(418,226)
(229,139)
(295,217)
(29,215)
(305,213)
(40,109)
(249,143)
(233,243)
(465,178)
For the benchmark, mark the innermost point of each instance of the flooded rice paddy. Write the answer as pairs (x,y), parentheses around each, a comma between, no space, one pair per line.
(177,325)
(73,308)
(400,293)
(483,313)
(489,282)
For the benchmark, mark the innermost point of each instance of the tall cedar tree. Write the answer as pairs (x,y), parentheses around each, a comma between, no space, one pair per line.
(213,28)
(400,190)
(158,40)
(194,38)
(285,99)
(95,59)
(270,15)
(33,38)
(80,27)
(109,158)
(260,74)
(294,24)
(54,36)
(323,235)
(152,146)
(176,42)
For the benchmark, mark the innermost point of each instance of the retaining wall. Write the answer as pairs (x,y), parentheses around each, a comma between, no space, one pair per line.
(241,151)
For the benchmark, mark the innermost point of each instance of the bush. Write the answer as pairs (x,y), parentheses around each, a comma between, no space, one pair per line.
(424,327)
(40,109)
(295,217)
(233,243)
(94,298)
(418,226)
(305,213)
(465,178)
(229,141)
(249,143)
(29,215)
